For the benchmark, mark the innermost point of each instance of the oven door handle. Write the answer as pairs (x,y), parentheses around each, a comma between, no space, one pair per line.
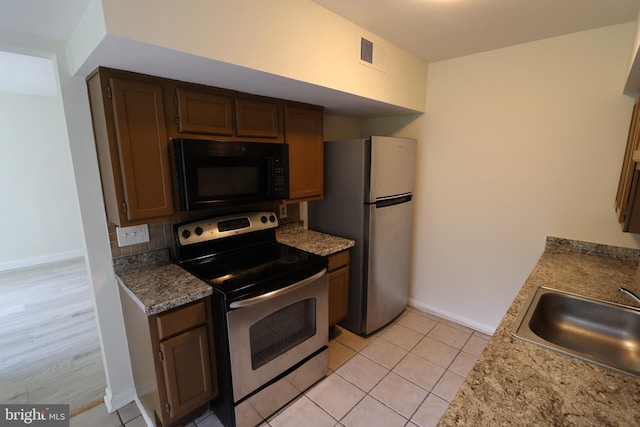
(273,294)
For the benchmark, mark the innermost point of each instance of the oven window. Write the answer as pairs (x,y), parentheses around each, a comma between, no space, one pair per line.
(280,331)
(224,181)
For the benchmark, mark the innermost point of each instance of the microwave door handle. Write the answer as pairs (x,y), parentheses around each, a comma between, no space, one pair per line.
(274,294)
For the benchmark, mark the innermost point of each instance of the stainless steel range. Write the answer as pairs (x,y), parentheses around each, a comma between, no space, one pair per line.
(270,309)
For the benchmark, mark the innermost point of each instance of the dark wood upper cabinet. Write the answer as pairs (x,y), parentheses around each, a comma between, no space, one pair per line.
(303,133)
(258,119)
(628,196)
(203,112)
(132,143)
(135,116)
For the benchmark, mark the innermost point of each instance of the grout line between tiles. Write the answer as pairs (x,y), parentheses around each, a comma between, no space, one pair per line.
(409,351)
(408,419)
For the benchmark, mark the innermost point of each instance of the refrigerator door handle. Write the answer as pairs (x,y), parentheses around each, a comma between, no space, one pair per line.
(393,200)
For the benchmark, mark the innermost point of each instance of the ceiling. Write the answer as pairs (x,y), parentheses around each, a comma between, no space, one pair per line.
(53,20)
(431,29)
(440,29)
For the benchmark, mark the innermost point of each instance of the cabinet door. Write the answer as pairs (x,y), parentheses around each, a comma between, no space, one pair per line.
(338,286)
(142,148)
(187,371)
(303,133)
(258,119)
(338,295)
(204,113)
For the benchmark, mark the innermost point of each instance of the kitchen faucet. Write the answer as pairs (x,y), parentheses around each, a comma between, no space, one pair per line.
(630,293)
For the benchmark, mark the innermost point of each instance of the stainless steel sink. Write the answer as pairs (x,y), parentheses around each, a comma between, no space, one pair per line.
(595,331)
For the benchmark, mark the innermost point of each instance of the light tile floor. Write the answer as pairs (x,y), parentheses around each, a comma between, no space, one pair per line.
(405,375)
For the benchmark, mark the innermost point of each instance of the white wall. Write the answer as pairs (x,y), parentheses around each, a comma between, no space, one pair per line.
(341,127)
(632,85)
(516,144)
(115,355)
(40,213)
(294,39)
(73,117)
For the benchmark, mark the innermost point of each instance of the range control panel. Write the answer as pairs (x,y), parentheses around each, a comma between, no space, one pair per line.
(231,225)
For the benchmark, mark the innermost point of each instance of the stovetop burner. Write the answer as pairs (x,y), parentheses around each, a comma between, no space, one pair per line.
(289,259)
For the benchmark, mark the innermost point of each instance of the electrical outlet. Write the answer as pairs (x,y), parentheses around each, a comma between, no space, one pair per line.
(132,235)
(283,211)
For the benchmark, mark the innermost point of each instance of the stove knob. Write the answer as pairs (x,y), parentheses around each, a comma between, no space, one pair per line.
(272,218)
(186,234)
(263,219)
(198,231)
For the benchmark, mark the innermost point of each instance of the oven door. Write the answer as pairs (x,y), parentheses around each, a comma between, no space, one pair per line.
(271,333)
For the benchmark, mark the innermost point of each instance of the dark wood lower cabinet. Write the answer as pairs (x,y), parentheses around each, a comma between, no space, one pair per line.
(338,286)
(172,359)
(187,371)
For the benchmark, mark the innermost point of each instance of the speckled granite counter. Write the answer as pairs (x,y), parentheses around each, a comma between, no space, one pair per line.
(156,284)
(311,241)
(515,383)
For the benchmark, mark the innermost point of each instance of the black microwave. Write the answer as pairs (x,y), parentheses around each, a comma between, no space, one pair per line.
(223,173)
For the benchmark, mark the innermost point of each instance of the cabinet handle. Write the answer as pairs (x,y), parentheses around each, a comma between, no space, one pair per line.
(167,407)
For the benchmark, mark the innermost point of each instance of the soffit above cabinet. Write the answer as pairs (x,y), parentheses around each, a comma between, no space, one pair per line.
(271,51)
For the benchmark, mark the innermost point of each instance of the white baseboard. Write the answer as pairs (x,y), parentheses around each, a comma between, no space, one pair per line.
(45,259)
(143,412)
(453,317)
(113,403)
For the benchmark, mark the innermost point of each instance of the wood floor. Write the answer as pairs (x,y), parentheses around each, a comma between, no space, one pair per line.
(49,348)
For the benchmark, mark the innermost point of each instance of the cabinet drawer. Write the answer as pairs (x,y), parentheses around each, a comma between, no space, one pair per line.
(338,260)
(181,319)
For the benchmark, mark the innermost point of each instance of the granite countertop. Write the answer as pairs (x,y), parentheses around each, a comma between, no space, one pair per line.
(156,284)
(311,241)
(519,383)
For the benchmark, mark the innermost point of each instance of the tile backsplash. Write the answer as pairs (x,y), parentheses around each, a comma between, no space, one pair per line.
(160,236)
(161,233)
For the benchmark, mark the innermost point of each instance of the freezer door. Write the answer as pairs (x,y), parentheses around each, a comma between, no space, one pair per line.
(388,261)
(393,165)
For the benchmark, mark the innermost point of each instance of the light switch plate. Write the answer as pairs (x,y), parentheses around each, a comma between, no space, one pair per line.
(132,235)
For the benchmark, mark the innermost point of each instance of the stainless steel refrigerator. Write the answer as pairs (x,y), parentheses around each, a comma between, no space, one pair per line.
(368,198)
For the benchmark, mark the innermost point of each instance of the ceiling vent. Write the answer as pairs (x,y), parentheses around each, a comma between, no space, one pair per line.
(371,54)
